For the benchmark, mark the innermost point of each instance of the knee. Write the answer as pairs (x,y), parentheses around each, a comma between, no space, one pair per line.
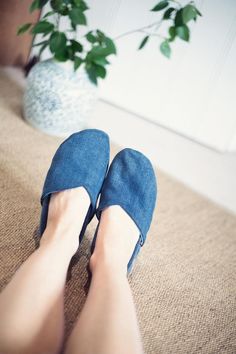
(18,342)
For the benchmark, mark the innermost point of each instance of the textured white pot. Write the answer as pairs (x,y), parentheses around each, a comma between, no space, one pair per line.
(57,99)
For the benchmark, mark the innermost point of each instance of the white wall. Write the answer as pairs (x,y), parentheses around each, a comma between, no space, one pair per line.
(193,93)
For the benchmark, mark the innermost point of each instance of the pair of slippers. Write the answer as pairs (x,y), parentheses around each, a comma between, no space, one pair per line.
(82,160)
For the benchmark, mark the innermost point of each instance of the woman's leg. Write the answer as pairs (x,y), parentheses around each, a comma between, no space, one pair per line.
(108,323)
(31,305)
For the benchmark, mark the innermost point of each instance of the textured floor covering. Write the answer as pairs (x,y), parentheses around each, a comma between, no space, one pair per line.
(184,282)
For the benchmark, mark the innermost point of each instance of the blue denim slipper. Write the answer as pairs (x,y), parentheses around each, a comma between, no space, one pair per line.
(80,161)
(131,184)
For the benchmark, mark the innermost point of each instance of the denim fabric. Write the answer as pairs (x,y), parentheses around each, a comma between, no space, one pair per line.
(81,160)
(131,183)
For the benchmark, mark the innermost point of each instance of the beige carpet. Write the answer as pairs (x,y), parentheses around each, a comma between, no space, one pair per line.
(184,282)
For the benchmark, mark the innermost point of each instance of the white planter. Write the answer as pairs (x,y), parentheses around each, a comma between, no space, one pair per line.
(57,99)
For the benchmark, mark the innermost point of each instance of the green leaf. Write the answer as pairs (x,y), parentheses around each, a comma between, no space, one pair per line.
(50,13)
(56,4)
(73,27)
(161,5)
(77,62)
(189,13)
(23,28)
(37,4)
(168,12)
(179,18)
(165,49)
(100,71)
(183,32)
(100,37)
(110,45)
(81,4)
(97,51)
(91,73)
(62,55)
(76,46)
(90,37)
(104,50)
(42,27)
(100,33)
(71,53)
(144,41)
(60,7)
(77,17)
(94,71)
(57,42)
(198,12)
(172,33)
(100,61)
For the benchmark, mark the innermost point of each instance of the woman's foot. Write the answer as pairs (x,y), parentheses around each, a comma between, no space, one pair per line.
(116,240)
(66,214)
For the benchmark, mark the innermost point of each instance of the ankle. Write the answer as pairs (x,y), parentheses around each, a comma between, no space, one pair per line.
(60,227)
(54,236)
(105,259)
(116,240)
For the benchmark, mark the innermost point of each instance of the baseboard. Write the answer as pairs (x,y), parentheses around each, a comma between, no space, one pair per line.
(206,171)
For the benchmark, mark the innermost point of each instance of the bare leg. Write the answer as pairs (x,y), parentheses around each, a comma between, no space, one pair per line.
(31,305)
(108,323)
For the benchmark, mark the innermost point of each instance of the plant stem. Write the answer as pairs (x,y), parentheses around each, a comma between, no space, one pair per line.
(58,21)
(141,29)
(39,43)
(153,34)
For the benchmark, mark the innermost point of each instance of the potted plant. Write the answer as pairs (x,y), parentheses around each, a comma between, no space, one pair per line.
(60,91)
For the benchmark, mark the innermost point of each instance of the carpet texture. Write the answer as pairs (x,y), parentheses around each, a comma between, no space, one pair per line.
(184,281)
